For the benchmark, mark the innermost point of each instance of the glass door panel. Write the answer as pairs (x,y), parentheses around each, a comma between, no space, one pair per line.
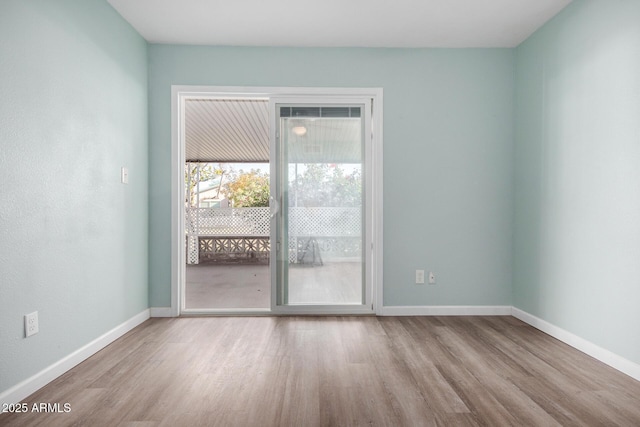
(321,189)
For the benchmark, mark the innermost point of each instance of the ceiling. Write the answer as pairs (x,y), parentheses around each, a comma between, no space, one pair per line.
(237,130)
(226,130)
(339,23)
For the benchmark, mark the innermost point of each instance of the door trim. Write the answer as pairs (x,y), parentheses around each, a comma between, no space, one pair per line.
(179,93)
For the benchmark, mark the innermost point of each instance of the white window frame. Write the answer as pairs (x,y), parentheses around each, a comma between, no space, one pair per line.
(179,94)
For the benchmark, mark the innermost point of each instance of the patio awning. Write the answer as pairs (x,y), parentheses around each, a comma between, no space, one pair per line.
(237,130)
(227,130)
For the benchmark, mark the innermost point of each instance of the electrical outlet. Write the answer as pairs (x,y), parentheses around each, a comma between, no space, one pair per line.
(31,324)
(432,278)
(419,277)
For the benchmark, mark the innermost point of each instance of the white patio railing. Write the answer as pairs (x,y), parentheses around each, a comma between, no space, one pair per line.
(336,232)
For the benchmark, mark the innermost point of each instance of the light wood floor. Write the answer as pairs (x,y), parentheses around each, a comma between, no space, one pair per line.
(338,371)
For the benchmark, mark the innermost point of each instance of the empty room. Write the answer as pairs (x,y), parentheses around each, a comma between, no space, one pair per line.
(305,213)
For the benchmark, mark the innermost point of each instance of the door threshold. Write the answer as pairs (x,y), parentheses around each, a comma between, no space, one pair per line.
(226,312)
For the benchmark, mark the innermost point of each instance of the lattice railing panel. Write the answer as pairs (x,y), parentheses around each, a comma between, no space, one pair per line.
(324,221)
(230,231)
(228,221)
(192,249)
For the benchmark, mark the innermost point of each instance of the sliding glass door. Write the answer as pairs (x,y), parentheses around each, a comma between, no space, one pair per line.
(320,205)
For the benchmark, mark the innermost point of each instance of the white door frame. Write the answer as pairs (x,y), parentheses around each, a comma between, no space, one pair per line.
(179,94)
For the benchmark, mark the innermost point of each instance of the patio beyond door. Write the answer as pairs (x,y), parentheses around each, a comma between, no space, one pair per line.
(320,221)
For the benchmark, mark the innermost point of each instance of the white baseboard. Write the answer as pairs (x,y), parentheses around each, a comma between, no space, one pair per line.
(18,392)
(162,312)
(443,310)
(605,356)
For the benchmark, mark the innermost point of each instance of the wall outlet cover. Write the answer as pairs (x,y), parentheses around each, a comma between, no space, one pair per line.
(432,278)
(31,324)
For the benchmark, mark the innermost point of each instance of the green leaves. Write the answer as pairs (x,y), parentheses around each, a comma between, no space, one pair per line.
(323,184)
(248,189)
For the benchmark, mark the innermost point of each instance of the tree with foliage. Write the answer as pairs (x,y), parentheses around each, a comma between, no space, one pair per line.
(196,173)
(323,184)
(248,189)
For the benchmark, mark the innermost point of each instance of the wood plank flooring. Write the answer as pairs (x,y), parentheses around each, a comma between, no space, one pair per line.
(338,371)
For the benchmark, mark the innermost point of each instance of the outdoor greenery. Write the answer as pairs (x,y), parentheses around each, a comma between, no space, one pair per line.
(317,184)
(248,189)
(208,172)
(323,184)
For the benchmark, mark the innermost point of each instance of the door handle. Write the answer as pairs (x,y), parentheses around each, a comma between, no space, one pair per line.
(275,208)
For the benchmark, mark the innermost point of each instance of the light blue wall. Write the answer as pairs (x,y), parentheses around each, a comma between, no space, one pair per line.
(73,245)
(448,135)
(577,158)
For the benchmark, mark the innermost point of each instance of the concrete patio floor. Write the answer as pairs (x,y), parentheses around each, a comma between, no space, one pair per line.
(212,286)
